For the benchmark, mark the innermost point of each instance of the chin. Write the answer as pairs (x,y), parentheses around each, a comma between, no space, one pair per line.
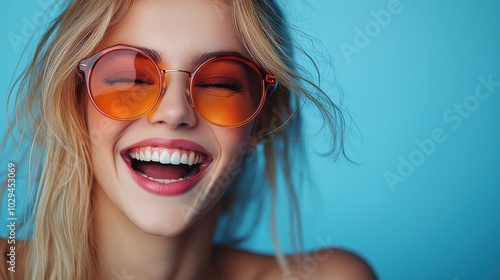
(171,216)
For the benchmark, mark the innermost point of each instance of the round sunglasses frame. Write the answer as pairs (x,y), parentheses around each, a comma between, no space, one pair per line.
(269,82)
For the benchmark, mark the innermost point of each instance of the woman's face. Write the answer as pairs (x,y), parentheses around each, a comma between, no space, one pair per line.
(181,32)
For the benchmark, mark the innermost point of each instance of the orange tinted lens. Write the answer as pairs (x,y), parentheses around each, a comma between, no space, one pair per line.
(227,92)
(124,84)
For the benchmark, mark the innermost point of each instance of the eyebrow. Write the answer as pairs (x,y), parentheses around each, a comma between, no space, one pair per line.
(198,59)
(156,56)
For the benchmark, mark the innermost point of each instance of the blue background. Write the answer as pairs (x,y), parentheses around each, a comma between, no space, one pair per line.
(441,220)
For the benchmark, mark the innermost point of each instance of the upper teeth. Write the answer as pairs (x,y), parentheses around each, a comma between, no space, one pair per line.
(166,156)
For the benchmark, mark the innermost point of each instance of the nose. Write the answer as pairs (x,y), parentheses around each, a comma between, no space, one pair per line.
(174,108)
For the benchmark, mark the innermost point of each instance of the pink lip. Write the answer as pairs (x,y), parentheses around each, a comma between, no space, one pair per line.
(171,189)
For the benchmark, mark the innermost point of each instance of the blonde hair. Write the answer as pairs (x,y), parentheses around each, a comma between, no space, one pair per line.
(266,34)
(50,93)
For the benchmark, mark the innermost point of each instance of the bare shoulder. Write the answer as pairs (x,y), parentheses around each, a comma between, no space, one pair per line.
(237,264)
(325,264)
(333,264)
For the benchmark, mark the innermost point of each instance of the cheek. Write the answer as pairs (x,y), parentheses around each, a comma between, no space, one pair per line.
(101,128)
(104,134)
(233,144)
(231,138)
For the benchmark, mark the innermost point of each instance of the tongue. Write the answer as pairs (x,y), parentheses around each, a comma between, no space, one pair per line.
(160,171)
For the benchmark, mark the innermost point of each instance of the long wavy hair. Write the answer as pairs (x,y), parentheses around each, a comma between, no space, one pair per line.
(53,118)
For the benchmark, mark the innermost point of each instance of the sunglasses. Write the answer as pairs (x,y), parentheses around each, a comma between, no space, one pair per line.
(125,83)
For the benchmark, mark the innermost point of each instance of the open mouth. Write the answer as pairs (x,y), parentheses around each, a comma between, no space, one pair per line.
(166,166)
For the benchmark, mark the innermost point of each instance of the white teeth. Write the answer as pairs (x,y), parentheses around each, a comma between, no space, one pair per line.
(184,159)
(147,155)
(165,157)
(155,157)
(176,158)
(191,158)
(168,181)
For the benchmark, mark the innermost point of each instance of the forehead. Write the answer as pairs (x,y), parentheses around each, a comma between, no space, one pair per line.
(178,29)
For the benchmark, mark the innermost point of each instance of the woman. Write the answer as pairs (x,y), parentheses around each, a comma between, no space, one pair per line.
(146,112)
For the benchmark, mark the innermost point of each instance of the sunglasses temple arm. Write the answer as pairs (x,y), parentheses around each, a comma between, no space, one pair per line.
(272,83)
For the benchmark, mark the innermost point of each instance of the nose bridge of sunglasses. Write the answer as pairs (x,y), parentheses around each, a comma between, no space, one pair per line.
(175,70)
(166,82)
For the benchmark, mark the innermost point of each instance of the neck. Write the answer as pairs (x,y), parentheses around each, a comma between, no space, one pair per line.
(126,252)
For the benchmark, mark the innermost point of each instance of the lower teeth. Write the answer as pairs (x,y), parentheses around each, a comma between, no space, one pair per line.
(168,181)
